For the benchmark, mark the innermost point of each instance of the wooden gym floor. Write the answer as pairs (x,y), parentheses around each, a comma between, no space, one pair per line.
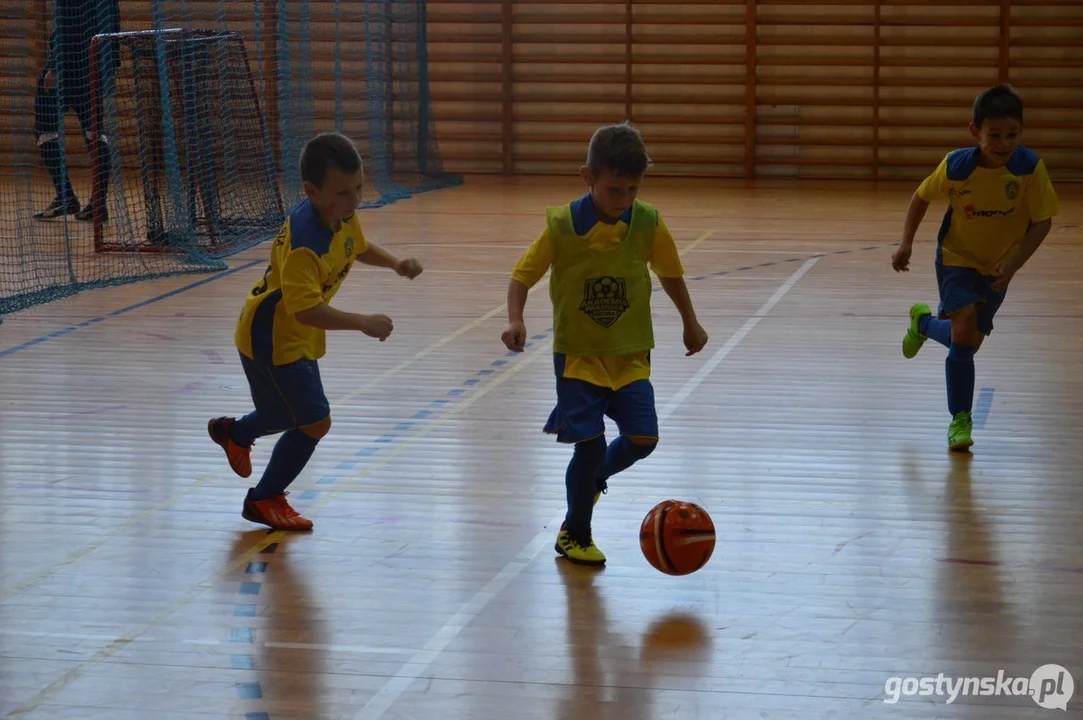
(852,548)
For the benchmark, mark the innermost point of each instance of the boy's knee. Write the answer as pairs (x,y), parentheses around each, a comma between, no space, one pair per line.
(642,444)
(964,327)
(317,430)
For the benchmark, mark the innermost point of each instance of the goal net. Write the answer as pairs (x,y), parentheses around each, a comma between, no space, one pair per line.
(147,138)
(191,160)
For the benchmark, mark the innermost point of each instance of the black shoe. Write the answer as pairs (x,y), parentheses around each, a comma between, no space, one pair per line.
(87,213)
(58,208)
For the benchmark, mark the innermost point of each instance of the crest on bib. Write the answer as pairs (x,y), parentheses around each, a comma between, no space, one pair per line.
(605,299)
(1011,189)
(349,246)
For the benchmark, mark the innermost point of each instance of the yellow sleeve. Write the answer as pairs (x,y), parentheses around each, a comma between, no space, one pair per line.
(301,283)
(362,244)
(665,260)
(936,185)
(1041,197)
(535,262)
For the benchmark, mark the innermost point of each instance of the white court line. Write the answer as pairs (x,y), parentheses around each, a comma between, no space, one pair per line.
(519,248)
(397,684)
(722,352)
(756,251)
(211,642)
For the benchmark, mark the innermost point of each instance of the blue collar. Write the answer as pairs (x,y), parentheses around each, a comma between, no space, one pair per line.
(585,215)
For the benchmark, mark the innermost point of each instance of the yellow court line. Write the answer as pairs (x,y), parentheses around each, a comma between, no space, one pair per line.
(272,537)
(200,482)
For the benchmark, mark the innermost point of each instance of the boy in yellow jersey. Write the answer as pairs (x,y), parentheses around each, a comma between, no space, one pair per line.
(282,329)
(1000,208)
(600,247)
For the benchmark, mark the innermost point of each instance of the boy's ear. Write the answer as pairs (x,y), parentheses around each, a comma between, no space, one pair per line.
(975,131)
(311,190)
(587,175)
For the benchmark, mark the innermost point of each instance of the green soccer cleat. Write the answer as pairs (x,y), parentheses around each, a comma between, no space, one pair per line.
(913,340)
(959,432)
(576,553)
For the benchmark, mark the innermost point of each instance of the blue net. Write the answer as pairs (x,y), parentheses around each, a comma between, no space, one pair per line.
(148,139)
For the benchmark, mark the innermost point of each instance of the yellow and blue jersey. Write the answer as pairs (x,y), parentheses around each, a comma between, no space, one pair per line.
(309,261)
(989,209)
(613,371)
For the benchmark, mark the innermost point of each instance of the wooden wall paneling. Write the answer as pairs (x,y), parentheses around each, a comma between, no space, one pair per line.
(689,85)
(569,60)
(629,60)
(751,116)
(815,89)
(507,86)
(467,83)
(24,37)
(1046,65)
(876,90)
(739,88)
(935,59)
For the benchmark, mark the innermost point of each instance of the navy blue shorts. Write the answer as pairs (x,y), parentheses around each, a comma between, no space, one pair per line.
(961,287)
(582,407)
(287,396)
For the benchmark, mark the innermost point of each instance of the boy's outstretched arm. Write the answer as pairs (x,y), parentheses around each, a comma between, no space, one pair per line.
(325,317)
(378,257)
(900,261)
(302,298)
(695,337)
(515,336)
(1007,269)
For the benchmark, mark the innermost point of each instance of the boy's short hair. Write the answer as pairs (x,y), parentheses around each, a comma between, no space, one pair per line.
(1000,101)
(326,150)
(618,149)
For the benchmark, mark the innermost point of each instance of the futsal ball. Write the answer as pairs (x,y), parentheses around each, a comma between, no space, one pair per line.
(677,537)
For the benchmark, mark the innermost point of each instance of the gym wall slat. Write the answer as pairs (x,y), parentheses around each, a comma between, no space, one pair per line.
(466,83)
(814,89)
(1046,61)
(23,45)
(729,88)
(765,88)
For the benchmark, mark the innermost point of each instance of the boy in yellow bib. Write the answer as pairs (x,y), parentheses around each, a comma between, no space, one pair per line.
(599,248)
(1000,207)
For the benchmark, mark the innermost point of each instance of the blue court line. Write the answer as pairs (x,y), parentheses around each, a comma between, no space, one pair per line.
(982,407)
(249,690)
(365,455)
(253,263)
(124,310)
(246,662)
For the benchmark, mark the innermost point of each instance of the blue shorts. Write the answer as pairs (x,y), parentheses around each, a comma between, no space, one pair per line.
(961,287)
(286,396)
(582,408)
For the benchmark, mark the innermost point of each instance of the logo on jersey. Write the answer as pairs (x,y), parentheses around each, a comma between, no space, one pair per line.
(605,299)
(1011,189)
(337,279)
(973,213)
(349,246)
